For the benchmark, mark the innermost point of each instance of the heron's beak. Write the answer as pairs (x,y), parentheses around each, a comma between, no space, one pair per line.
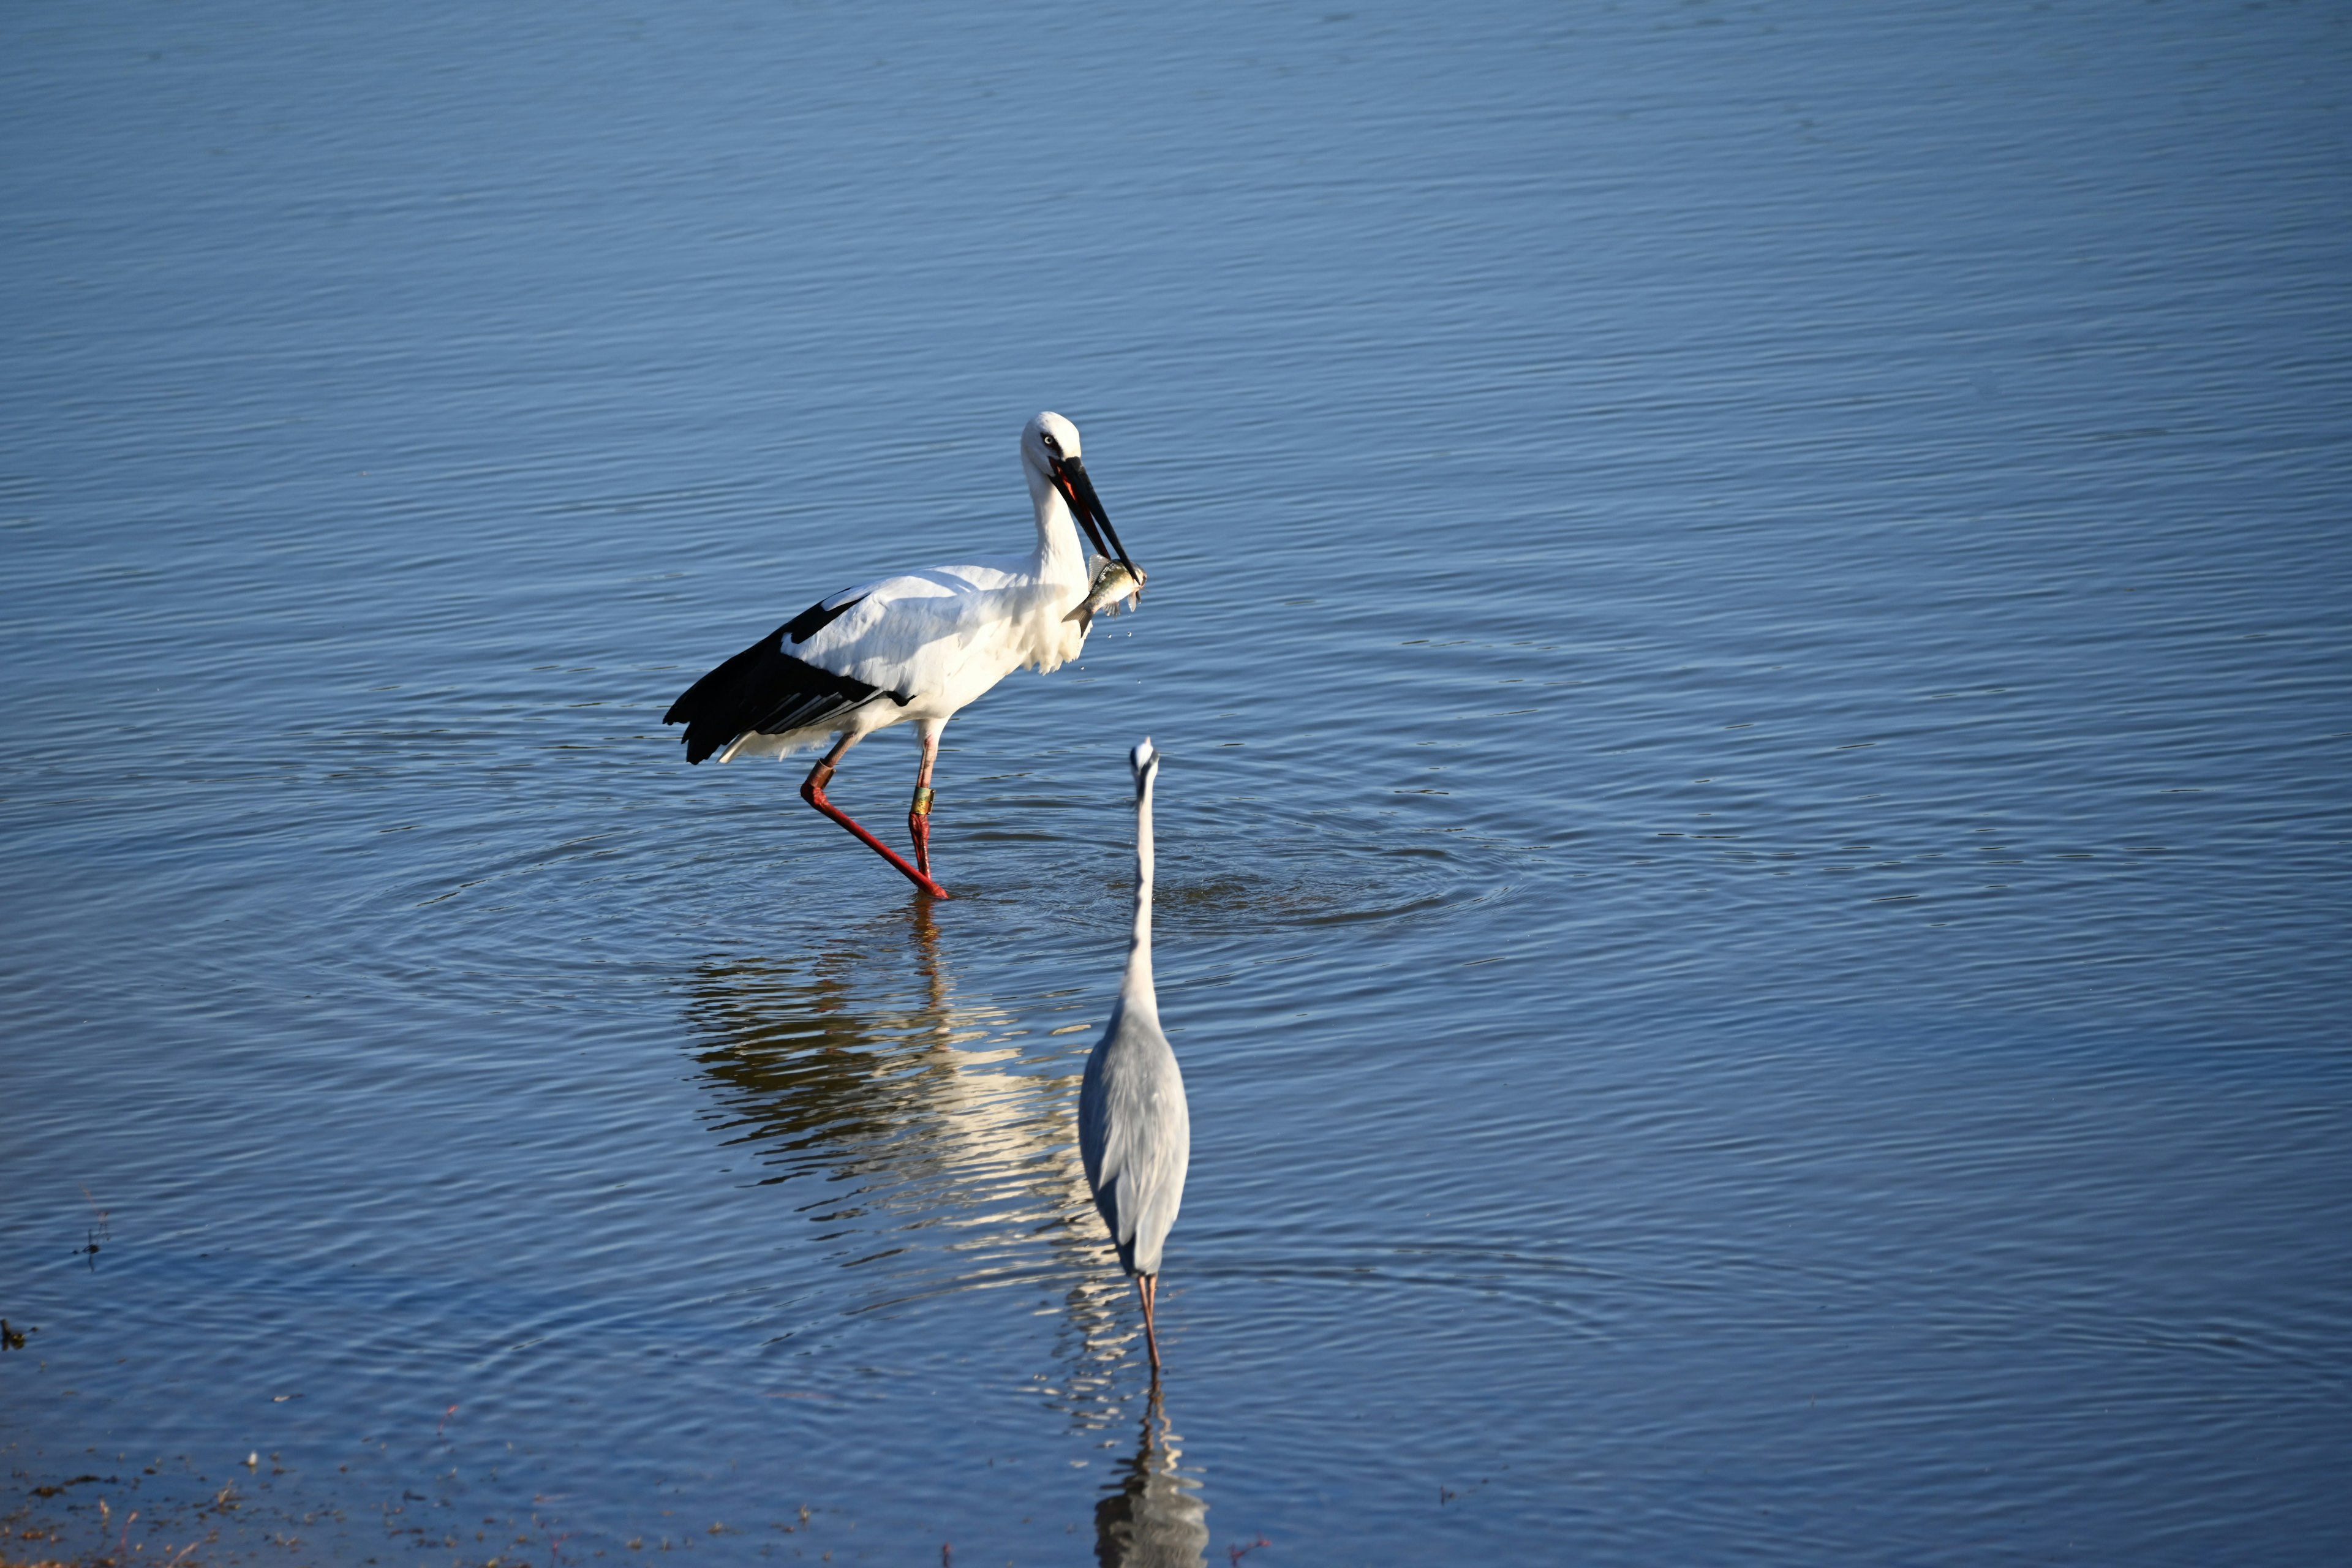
(1070,478)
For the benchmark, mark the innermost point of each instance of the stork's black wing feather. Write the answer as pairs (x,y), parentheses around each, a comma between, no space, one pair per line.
(767,689)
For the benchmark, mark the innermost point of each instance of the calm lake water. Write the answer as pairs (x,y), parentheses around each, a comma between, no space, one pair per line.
(1749,606)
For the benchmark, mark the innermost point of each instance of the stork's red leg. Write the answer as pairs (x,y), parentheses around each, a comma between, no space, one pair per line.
(918,815)
(813,792)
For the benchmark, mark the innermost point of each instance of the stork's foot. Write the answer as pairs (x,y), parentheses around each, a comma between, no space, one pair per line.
(813,792)
(919,828)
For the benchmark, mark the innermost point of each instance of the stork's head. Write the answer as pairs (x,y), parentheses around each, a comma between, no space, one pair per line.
(1047,439)
(1049,449)
(1146,763)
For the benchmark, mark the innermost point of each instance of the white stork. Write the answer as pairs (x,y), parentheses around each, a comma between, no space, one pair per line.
(918,648)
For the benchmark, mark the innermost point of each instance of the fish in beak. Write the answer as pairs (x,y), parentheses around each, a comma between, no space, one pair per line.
(1112,584)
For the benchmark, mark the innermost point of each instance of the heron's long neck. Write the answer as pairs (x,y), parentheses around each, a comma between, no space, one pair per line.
(1061,555)
(1136,990)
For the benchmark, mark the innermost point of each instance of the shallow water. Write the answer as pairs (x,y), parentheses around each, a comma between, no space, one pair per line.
(1749,611)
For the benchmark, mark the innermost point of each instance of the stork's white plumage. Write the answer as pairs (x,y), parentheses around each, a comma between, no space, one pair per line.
(915,649)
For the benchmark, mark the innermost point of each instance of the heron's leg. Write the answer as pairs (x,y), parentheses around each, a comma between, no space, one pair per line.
(918,815)
(1148,1284)
(813,792)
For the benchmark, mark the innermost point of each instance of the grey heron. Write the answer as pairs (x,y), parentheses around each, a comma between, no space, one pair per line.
(1134,1133)
(916,649)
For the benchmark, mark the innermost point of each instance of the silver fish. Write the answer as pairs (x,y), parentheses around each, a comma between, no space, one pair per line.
(1112,584)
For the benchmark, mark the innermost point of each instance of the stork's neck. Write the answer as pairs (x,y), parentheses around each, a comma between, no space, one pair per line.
(1136,990)
(1061,554)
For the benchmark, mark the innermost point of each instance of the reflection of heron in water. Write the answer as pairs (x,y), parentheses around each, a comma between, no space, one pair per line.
(1156,1519)
(937,1155)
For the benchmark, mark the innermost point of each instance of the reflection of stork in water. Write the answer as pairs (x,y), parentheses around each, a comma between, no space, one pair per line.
(829,1071)
(1134,1131)
(936,1154)
(1156,1519)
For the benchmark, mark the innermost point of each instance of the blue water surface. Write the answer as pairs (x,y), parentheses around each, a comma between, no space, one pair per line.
(1749,606)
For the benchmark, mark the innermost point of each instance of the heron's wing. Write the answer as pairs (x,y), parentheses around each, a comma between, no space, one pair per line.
(1153,1182)
(1094,1111)
(1135,1135)
(766,689)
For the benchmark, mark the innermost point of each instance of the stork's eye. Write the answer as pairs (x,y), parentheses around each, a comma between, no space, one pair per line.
(1052,444)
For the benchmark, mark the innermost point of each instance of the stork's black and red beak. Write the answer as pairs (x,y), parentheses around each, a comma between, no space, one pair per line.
(1070,478)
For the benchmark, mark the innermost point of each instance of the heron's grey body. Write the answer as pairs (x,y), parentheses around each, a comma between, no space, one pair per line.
(1134,1131)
